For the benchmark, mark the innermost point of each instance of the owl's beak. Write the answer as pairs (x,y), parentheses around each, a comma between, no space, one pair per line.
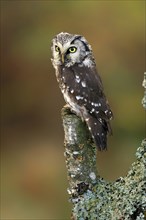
(62,57)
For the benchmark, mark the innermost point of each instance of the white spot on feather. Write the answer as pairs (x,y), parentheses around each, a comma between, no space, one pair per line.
(96,104)
(100,119)
(83,83)
(92,110)
(78,80)
(79,97)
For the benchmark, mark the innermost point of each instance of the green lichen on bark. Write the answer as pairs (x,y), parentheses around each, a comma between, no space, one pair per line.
(144,85)
(122,199)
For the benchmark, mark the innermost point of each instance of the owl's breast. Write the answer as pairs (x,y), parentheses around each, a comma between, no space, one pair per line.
(79,110)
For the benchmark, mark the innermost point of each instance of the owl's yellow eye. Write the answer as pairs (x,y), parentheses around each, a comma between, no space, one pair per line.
(57,49)
(72,49)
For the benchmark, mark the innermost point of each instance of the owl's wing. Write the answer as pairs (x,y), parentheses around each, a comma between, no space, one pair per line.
(85,87)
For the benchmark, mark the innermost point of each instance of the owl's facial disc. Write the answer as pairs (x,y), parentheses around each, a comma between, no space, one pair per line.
(69,49)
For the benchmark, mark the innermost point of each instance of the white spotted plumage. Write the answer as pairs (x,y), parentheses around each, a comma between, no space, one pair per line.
(81,85)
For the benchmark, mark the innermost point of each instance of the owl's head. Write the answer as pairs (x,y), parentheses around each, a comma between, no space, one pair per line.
(69,49)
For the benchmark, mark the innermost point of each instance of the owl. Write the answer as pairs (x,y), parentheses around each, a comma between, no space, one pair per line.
(81,84)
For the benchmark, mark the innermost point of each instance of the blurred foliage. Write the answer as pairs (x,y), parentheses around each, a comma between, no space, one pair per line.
(33,167)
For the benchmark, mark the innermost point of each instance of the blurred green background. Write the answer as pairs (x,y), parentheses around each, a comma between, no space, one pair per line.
(33,172)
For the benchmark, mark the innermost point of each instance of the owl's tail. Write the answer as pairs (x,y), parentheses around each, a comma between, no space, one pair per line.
(98,129)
